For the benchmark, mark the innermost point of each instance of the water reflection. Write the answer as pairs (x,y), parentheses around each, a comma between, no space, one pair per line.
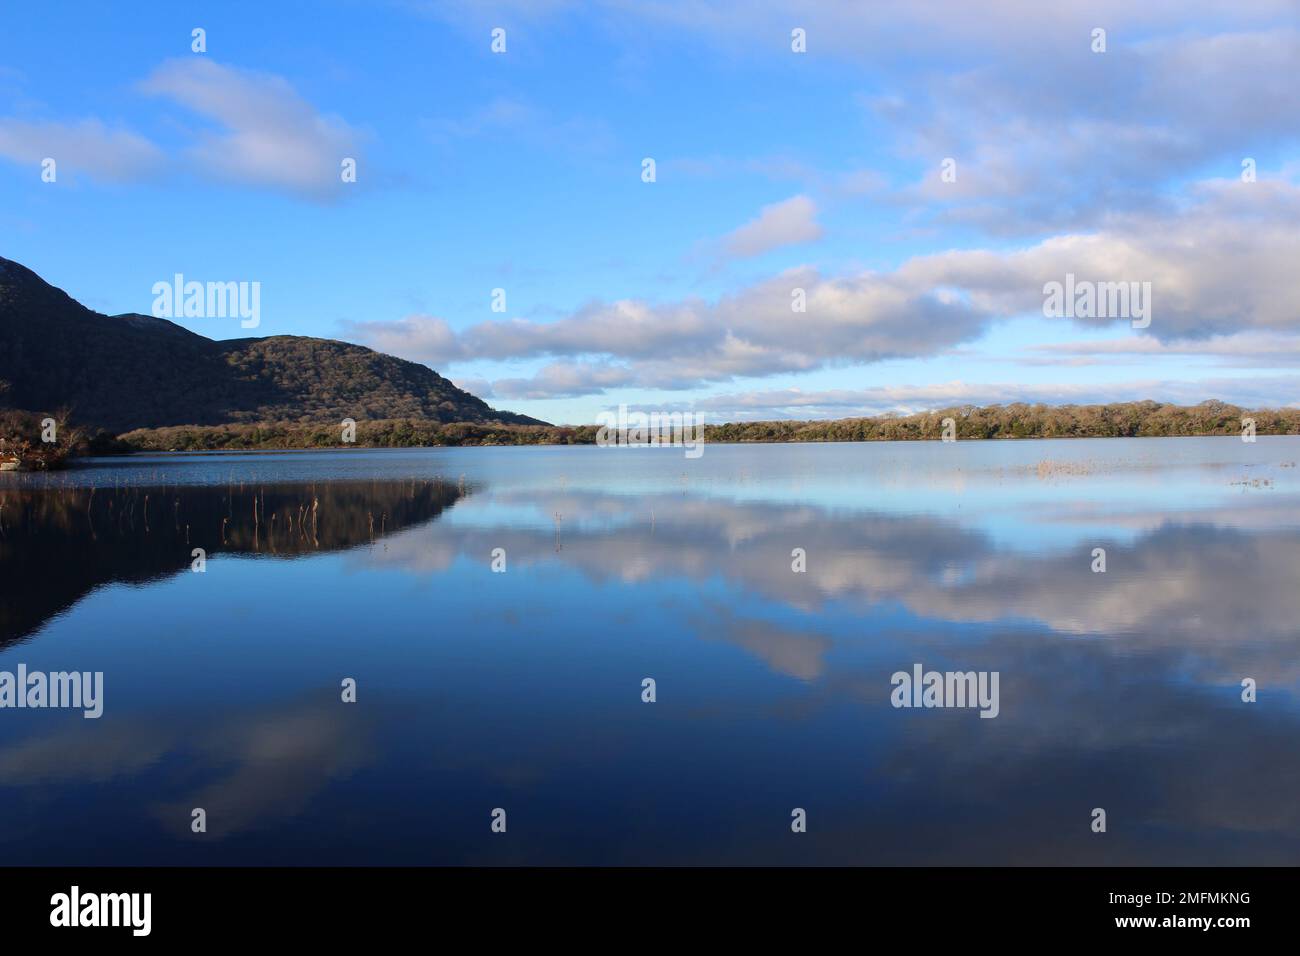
(271,762)
(522,689)
(58,544)
(1222,597)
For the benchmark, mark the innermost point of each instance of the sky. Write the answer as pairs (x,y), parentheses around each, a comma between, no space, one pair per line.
(855,207)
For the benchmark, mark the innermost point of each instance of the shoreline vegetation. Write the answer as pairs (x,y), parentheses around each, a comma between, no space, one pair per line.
(1016,421)
(31,442)
(22,448)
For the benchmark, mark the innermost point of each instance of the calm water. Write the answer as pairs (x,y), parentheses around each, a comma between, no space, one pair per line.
(522,690)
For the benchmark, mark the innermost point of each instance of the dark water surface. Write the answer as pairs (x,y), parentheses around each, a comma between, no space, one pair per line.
(522,690)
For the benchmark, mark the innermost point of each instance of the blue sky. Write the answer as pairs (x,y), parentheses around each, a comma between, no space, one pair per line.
(775,171)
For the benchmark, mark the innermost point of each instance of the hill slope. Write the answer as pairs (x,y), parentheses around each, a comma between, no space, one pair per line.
(136,371)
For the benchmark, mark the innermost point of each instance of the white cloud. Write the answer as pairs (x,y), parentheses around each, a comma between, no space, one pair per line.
(794,403)
(875,31)
(1246,349)
(423,338)
(267,134)
(1222,266)
(88,147)
(780,224)
(1043,145)
(521,122)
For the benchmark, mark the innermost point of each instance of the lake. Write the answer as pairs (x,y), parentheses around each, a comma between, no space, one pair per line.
(771,592)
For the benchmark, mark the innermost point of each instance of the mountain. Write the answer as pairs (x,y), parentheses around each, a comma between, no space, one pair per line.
(120,372)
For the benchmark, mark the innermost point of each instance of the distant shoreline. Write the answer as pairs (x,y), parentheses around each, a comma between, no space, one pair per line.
(997,422)
(351,448)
